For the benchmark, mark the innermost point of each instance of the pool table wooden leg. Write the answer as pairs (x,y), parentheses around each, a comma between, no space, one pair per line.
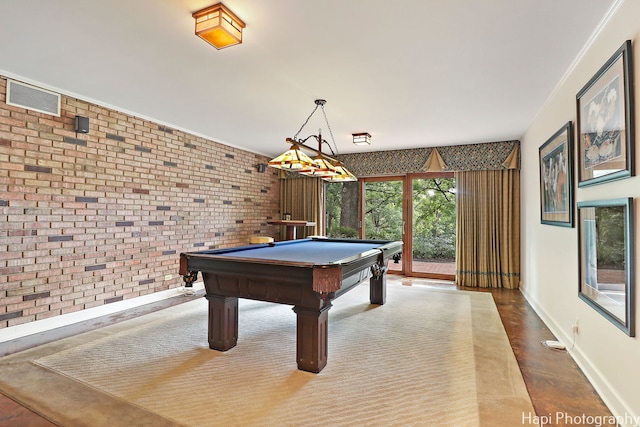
(312,338)
(378,288)
(223,322)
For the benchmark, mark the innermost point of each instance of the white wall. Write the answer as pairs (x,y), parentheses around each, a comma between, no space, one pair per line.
(609,357)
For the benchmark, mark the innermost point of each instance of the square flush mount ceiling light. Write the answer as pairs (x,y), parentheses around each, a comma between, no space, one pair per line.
(218,26)
(362,138)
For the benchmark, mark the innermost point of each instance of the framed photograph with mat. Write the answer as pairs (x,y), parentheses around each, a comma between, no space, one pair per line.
(605,123)
(556,178)
(606,249)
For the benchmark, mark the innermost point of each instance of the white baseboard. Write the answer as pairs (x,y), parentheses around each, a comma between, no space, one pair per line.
(616,404)
(38,326)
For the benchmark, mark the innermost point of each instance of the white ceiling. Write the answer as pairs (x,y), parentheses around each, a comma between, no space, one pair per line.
(413,73)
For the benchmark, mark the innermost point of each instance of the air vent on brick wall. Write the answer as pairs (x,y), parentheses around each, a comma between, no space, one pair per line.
(33,98)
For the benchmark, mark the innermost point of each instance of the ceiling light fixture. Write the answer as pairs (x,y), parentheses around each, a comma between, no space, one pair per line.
(293,159)
(322,166)
(343,175)
(362,138)
(218,26)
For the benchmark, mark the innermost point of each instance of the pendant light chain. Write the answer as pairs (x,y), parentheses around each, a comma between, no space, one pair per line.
(295,137)
(330,131)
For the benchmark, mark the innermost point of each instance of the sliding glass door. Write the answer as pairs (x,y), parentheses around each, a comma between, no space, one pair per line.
(382,212)
(418,209)
(433,226)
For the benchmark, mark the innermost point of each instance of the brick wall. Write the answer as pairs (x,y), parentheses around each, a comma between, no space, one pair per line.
(90,219)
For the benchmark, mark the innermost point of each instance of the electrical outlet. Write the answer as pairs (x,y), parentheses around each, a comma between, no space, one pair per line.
(168,277)
(576,327)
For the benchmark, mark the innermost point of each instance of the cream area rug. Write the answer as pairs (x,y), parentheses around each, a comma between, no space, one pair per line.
(425,358)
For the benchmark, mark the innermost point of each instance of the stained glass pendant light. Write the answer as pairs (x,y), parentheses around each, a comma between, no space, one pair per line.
(294,160)
(322,166)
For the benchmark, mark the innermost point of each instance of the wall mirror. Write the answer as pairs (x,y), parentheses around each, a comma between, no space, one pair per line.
(606,259)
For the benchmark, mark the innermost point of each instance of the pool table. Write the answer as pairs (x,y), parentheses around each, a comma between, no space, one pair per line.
(306,273)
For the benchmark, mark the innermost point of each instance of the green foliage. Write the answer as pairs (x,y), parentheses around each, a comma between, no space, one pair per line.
(610,242)
(333,194)
(434,215)
(343,233)
(383,210)
(434,219)
(441,248)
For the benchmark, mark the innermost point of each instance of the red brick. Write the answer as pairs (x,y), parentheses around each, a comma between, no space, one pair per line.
(111,171)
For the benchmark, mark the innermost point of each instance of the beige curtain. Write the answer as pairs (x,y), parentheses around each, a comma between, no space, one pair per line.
(303,199)
(488,229)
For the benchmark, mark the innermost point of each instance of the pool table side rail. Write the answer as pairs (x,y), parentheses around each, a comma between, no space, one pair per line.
(387,248)
(304,264)
(326,277)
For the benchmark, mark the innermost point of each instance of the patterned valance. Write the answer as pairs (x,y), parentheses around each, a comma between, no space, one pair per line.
(434,162)
(453,158)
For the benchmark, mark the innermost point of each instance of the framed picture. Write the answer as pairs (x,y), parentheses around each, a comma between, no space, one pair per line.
(556,178)
(605,235)
(605,122)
